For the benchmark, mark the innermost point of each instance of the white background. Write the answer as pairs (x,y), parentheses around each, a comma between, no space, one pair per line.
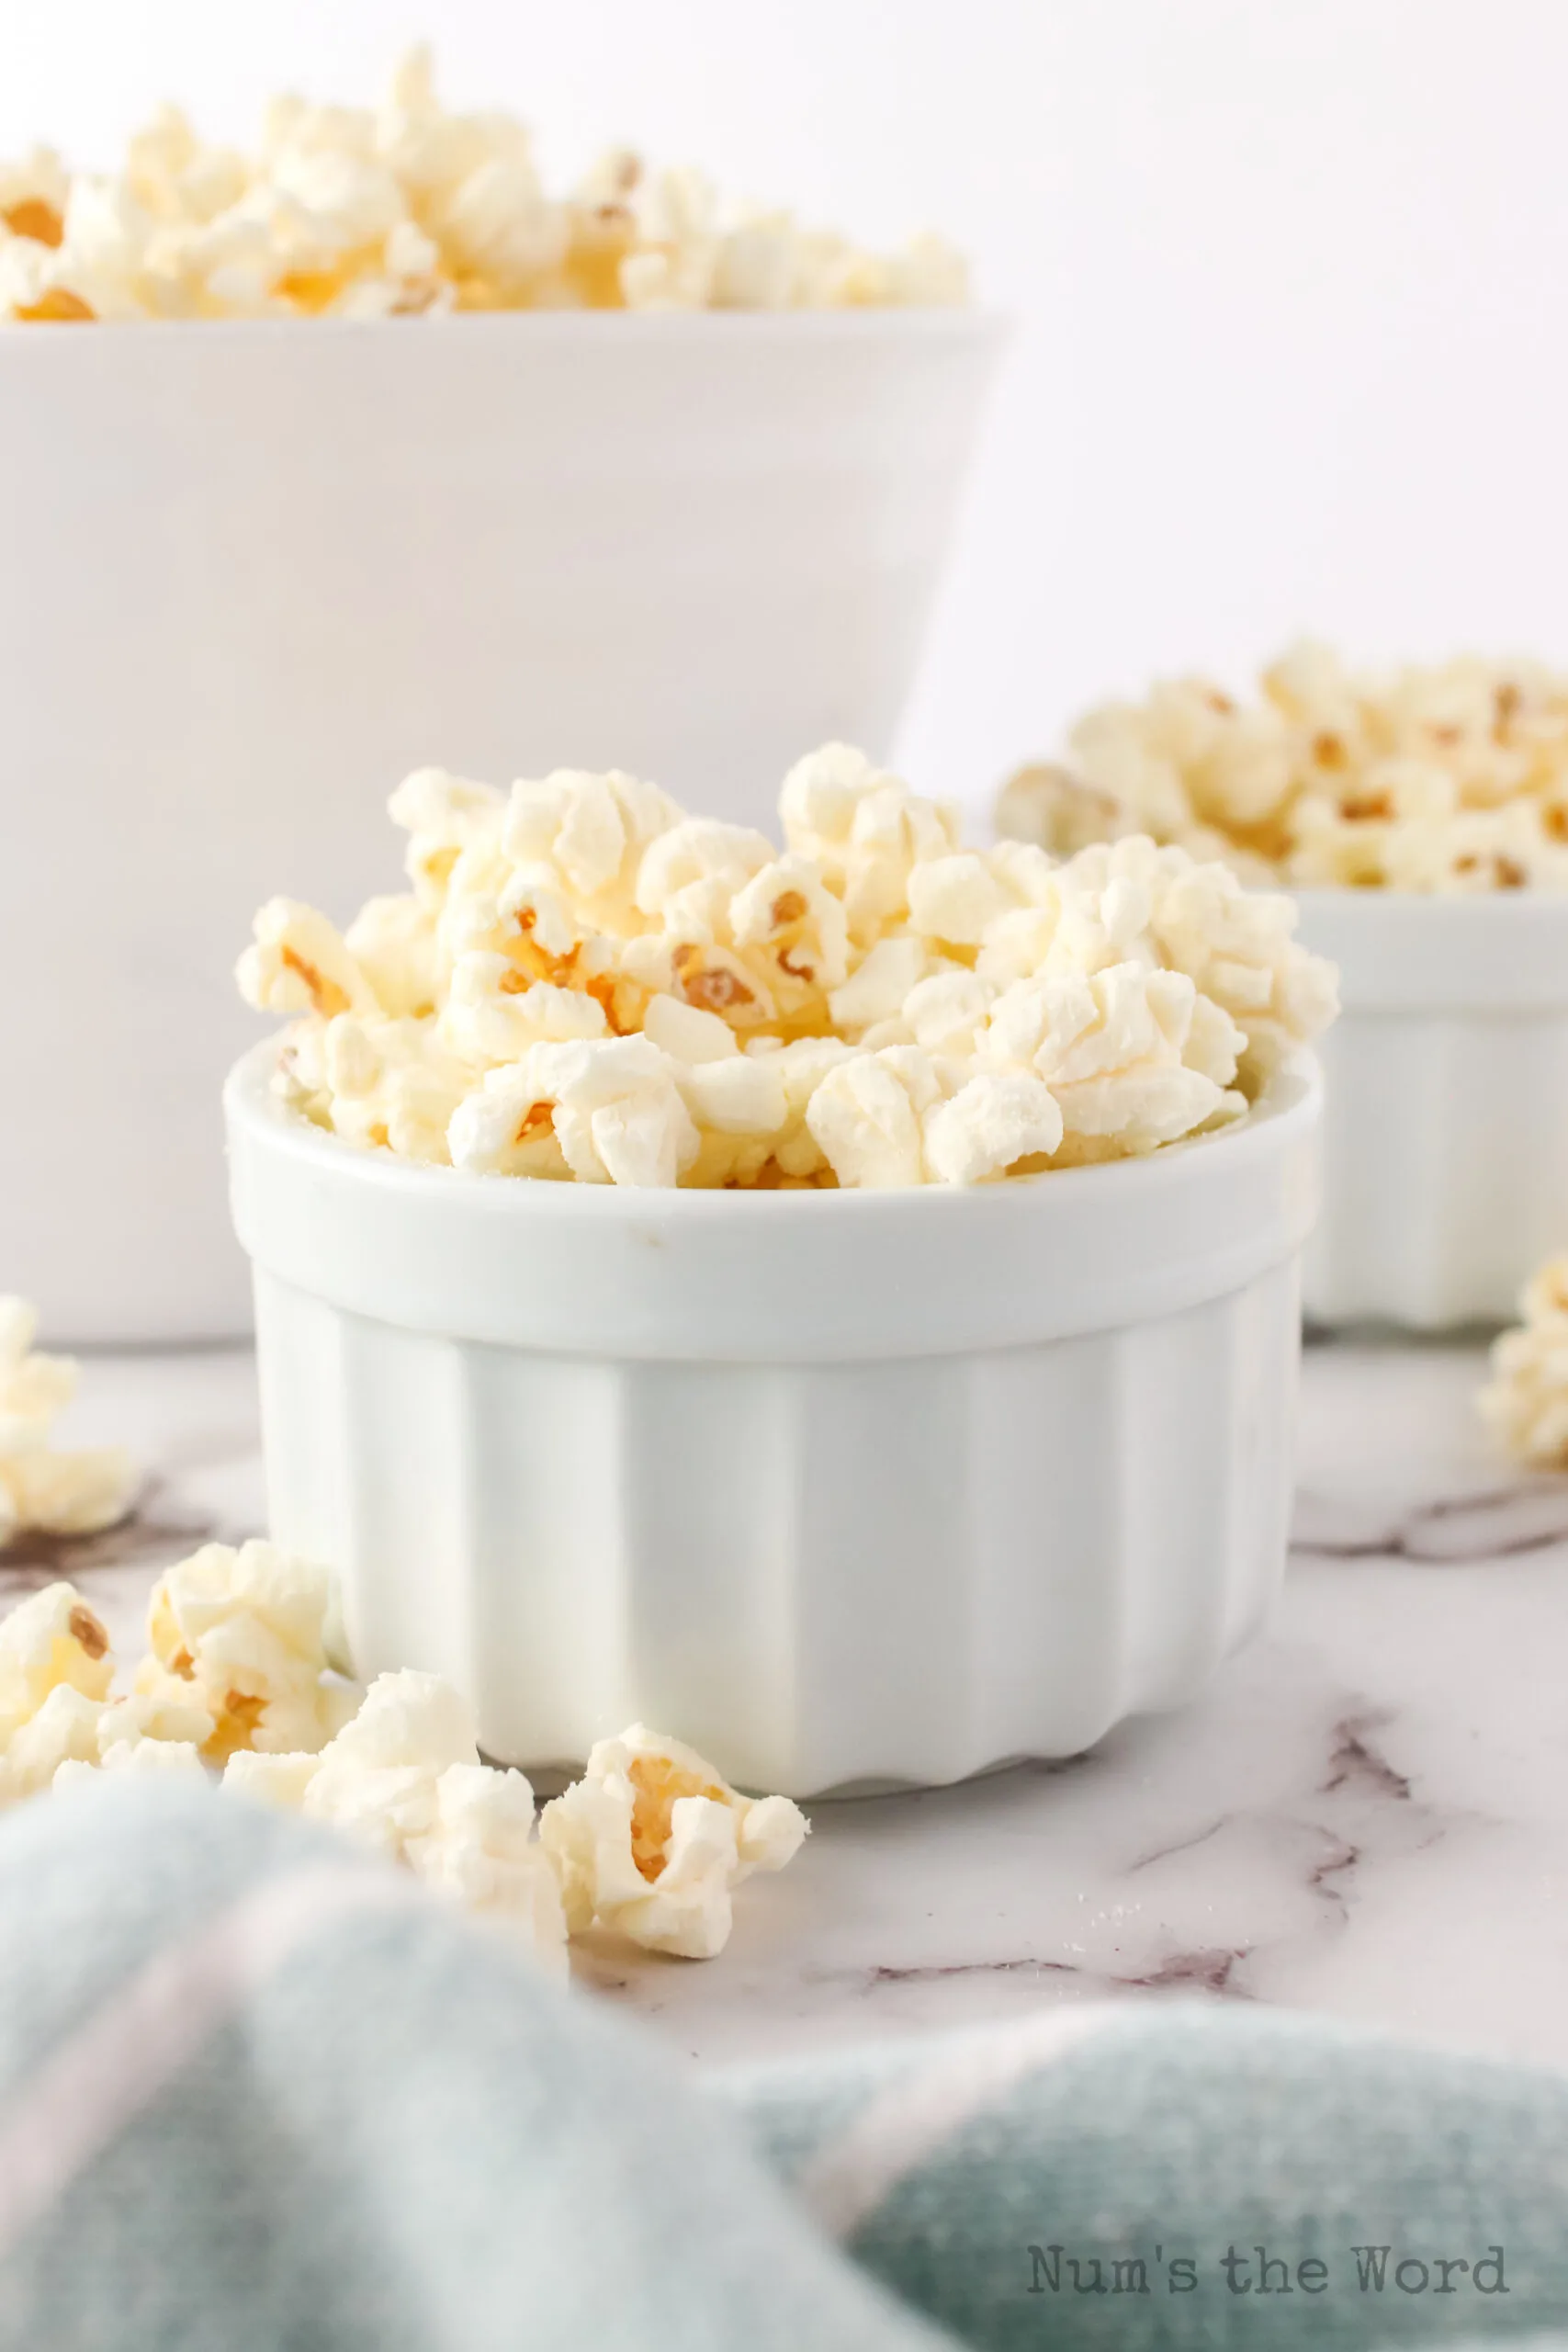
(1292,280)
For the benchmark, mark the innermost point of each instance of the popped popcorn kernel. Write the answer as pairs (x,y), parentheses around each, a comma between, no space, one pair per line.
(588,985)
(1525,1403)
(651,1844)
(403,1776)
(408,210)
(238,1636)
(49,1639)
(1450,779)
(42,1488)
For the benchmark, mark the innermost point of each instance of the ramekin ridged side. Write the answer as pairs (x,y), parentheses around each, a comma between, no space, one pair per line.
(844,1488)
(1446,1118)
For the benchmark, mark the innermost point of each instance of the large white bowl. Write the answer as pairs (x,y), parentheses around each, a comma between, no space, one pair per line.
(256,572)
(1446,1119)
(842,1487)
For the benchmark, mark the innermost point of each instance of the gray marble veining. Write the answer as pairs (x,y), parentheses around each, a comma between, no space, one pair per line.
(1366,1815)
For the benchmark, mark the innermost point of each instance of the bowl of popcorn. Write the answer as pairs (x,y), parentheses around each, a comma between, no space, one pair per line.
(1420,817)
(366,443)
(840,1297)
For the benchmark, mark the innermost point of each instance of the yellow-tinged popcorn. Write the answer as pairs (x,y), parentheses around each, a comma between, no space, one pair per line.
(589,984)
(1450,779)
(239,1636)
(408,212)
(49,1641)
(403,1776)
(1524,1404)
(651,1844)
(71,1493)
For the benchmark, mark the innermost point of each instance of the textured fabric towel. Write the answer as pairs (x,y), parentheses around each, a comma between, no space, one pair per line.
(255,2092)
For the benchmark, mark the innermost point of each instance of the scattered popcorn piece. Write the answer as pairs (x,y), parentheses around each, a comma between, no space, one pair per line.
(1447,779)
(64,1730)
(588,984)
(651,1843)
(480,1848)
(403,1776)
(73,1493)
(408,212)
(238,1636)
(1525,1403)
(49,1641)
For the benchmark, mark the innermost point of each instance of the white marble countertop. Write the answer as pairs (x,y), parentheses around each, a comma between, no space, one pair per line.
(1367,1816)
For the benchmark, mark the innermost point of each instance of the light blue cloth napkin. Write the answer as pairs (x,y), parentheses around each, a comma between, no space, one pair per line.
(255,2092)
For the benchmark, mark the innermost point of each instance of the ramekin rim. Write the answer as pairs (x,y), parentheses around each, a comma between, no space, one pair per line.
(1342,895)
(1271,1124)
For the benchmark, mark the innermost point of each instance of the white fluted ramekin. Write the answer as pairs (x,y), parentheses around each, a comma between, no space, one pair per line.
(840,1486)
(1446,1120)
(257,570)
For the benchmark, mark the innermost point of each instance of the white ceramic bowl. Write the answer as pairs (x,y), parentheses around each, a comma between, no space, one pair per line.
(1446,1124)
(254,574)
(840,1486)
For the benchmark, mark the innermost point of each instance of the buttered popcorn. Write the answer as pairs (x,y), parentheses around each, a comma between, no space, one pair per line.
(406,210)
(41,1487)
(1449,779)
(1525,1403)
(583,982)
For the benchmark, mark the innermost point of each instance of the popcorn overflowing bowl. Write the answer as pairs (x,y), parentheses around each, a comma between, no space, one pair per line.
(843,1299)
(258,563)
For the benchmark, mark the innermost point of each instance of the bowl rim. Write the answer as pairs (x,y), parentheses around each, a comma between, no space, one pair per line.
(1463,905)
(1289,1105)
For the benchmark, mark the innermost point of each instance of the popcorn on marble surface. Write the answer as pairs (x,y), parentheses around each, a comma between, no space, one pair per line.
(403,1775)
(57,1493)
(1447,779)
(238,1636)
(50,1641)
(651,1844)
(589,984)
(1525,1403)
(406,210)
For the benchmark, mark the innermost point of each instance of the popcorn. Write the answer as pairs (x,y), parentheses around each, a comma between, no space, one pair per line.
(408,212)
(403,1776)
(609,1110)
(587,984)
(1448,780)
(50,1640)
(1524,1404)
(56,1493)
(299,964)
(148,1759)
(238,1636)
(64,1730)
(651,1844)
